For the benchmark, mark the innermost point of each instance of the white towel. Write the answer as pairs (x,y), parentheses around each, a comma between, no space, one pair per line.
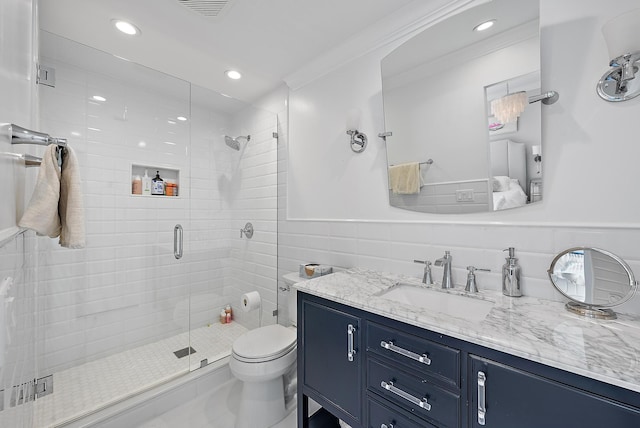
(56,207)
(71,206)
(405,179)
(41,214)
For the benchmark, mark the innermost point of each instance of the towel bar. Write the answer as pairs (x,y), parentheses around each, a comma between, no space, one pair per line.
(20,135)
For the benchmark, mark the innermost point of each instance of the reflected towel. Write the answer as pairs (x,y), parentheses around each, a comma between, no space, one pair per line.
(405,179)
(71,206)
(56,207)
(41,214)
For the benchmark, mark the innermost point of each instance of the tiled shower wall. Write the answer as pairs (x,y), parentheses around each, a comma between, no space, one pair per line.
(126,288)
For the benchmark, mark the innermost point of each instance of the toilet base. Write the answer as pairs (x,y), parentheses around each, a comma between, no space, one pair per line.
(261,404)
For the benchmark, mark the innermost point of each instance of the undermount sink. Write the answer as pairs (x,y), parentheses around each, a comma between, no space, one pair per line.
(455,305)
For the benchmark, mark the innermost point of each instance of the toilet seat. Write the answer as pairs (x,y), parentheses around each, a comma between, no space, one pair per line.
(264,344)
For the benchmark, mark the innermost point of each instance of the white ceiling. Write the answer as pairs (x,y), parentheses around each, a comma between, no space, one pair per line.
(265,40)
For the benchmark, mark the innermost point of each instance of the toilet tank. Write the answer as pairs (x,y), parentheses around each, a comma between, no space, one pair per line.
(292,302)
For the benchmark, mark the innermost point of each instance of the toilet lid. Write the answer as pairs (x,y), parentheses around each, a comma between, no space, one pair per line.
(264,342)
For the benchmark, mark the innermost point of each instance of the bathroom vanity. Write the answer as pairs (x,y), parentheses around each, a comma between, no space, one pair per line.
(376,362)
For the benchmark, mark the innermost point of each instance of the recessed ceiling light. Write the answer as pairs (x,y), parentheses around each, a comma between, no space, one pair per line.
(142,144)
(181,118)
(126,27)
(99,98)
(233,74)
(75,133)
(484,26)
(94,129)
(170,143)
(171,122)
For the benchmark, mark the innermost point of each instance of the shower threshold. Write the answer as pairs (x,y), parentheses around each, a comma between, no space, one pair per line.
(92,386)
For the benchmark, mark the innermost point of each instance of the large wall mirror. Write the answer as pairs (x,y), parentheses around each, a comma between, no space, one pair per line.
(448,152)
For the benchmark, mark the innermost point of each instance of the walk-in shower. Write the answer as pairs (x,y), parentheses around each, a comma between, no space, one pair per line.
(234,143)
(123,314)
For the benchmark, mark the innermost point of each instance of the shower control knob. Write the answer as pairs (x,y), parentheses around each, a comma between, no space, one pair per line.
(247,231)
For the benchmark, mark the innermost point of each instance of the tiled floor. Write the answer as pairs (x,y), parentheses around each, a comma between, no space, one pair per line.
(99,383)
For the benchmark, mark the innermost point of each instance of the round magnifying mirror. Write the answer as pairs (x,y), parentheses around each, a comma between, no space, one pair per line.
(594,280)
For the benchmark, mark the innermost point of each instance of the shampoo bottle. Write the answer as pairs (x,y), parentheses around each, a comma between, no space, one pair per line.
(511,275)
(157,185)
(136,185)
(146,184)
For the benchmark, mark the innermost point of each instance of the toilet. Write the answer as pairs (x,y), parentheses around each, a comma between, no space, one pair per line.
(260,358)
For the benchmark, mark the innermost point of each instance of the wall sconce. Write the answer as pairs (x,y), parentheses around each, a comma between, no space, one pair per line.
(622,35)
(509,107)
(537,157)
(358,139)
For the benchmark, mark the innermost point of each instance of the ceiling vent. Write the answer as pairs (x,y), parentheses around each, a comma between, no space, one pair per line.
(208,8)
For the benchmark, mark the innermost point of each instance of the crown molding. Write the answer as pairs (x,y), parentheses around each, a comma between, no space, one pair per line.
(394,29)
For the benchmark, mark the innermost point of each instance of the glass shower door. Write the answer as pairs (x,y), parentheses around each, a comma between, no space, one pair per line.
(114,316)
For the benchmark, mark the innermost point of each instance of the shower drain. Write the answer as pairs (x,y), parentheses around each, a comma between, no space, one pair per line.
(181,353)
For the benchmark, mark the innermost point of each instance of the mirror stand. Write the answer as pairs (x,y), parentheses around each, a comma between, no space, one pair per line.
(590,311)
(594,280)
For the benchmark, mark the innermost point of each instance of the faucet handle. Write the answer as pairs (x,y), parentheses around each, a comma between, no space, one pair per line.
(426,278)
(471,286)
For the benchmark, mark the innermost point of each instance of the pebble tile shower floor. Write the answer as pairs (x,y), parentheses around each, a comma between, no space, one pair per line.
(94,385)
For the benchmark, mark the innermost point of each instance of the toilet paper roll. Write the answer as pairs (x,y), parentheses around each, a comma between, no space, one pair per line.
(250,301)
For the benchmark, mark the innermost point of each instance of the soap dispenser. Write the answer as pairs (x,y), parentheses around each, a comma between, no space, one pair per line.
(511,275)
(157,185)
(146,184)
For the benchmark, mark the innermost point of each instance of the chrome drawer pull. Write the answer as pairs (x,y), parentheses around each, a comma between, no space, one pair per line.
(414,400)
(391,347)
(482,405)
(350,349)
(386,426)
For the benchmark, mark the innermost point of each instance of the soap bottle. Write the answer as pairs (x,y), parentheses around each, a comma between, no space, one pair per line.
(229,312)
(136,187)
(511,275)
(223,317)
(157,185)
(146,184)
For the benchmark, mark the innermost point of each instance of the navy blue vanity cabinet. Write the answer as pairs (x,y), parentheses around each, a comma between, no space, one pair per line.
(330,369)
(502,396)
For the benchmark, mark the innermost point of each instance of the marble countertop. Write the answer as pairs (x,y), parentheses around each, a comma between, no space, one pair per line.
(535,329)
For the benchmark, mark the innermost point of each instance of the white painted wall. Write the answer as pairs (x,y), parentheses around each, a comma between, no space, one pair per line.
(338,211)
(581,133)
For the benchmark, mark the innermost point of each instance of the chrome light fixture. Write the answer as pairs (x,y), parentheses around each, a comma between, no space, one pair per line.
(509,107)
(622,35)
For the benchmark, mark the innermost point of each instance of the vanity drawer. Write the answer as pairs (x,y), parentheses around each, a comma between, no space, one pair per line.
(437,360)
(382,416)
(414,394)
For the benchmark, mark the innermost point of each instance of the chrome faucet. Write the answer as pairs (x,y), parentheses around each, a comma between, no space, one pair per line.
(445,262)
(426,277)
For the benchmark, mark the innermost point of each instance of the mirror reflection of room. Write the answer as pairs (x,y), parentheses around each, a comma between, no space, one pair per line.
(447,153)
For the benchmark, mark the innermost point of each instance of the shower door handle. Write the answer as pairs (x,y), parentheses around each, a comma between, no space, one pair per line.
(178,241)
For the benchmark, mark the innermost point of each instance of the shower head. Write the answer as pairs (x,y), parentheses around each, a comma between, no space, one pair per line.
(233,142)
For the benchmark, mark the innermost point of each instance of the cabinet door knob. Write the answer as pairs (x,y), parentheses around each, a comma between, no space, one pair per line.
(386,426)
(482,404)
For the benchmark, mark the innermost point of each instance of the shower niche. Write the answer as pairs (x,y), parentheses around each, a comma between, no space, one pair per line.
(170,180)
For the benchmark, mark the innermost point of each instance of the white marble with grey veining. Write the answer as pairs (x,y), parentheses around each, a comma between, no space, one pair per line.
(535,329)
